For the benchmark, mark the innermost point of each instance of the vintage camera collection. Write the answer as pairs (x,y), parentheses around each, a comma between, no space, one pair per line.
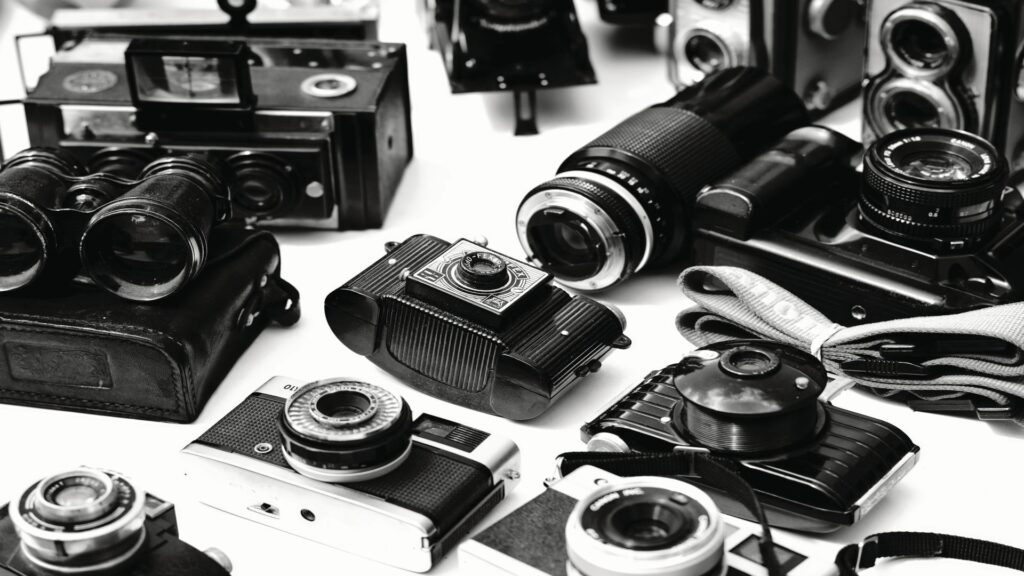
(160,156)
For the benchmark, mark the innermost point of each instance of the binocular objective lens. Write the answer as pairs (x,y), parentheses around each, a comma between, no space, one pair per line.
(22,250)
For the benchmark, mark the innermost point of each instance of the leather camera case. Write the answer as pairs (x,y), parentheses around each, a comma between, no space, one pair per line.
(81,348)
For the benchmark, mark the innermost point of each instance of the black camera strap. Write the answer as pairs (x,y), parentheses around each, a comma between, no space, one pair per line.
(688,464)
(855,557)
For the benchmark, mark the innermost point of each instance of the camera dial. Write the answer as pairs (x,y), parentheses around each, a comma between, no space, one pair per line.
(82,520)
(645,525)
(345,431)
(750,397)
(933,188)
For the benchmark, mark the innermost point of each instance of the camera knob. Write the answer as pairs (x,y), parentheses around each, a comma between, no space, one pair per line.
(830,18)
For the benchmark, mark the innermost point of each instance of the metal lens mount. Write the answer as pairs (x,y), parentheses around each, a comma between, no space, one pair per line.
(80,521)
(924,40)
(903,103)
(645,525)
(345,431)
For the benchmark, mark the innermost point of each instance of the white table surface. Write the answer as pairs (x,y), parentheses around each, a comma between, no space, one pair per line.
(467,178)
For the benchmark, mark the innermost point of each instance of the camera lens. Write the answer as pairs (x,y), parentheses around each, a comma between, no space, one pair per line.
(920,44)
(121,162)
(912,110)
(933,188)
(83,520)
(483,271)
(345,431)
(924,38)
(31,182)
(645,525)
(706,52)
(263,183)
(749,397)
(151,241)
(621,202)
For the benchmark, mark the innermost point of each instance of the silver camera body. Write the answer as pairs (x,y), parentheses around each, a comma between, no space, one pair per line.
(947,63)
(409,517)
(539,539)
(814,46)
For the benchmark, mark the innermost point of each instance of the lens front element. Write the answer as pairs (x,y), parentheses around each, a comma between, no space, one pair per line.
(22,248)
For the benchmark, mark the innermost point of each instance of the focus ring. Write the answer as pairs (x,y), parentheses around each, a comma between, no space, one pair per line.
(880,218)
(642,137)
(874,179)
(620,211)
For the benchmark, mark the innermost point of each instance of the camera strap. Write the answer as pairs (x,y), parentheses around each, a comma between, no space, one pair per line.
(970,362)
(855,557)
(691,464)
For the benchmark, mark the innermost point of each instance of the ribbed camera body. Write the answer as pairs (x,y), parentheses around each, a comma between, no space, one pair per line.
(448,477)
(946,63)
(814,46)
(316,132)
(500,339)
(490,45)
(148,524)
(871,247)
(826,467)
(541,537)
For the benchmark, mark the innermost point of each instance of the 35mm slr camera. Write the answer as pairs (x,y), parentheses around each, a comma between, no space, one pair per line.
(947,64)
(473,326)
(593,523)
(815,467)
(344,463)
(316,132)
(929,228)
(93,521)
(815,46)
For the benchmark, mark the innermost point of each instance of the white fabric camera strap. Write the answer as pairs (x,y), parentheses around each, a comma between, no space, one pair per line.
(936,358)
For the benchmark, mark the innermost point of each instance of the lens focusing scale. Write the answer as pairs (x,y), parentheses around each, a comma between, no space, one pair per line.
(749,397)
(345,431)
(645,525)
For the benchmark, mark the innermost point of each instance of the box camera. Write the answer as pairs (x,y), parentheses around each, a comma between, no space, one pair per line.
(814,466)
(95,521)
(493,45)
(592,523)
(345,464)
(930,228)
(815,46)
(315,132)
(948,64)
(472,326)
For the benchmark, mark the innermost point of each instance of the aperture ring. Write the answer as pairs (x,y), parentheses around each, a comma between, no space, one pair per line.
(950,198)
(884,219)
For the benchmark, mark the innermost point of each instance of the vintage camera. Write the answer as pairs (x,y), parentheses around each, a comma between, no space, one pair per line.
(93,521)
(510,45)
(316,132)
(814,466)
(631,12)
(472,326)
(345,464)
(594,523)
(930,228)
(815,46)
(946,64)
(622,202)
(141,239)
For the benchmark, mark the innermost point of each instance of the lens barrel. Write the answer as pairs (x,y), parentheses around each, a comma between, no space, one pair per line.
(645,525)
(31,182)
(936,189)
(151,241)
(621,202)
(345,431)
(263,184)
(83,520)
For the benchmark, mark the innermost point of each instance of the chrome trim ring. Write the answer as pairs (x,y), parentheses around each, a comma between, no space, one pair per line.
(951,113)
(936,22)
(735,50)
(343,85)
(306,420)
(339,476)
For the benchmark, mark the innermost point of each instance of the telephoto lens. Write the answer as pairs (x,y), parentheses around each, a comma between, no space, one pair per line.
(32,182)
(621,203)
(83,520)
(645,525)
(933,188)
(345,431)
(151,241)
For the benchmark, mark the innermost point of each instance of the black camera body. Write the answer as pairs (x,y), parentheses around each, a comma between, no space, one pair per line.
(946,63)
(797,214)
(631,12)
(472,326)
(316,132)
(814,466)
(816,47)
(389,487)
(160,553)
